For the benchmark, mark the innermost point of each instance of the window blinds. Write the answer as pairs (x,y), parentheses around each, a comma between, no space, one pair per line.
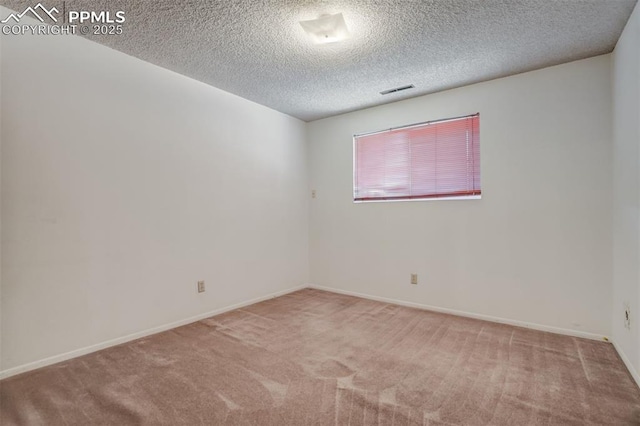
(432,160)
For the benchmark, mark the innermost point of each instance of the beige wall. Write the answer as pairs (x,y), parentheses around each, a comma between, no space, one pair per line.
(123,184)
(626,190)
(536,249)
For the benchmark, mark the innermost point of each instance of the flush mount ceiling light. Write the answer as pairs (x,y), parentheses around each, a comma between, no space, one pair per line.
(326,29)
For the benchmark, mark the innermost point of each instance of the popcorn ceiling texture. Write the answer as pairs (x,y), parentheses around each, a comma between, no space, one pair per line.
(258,50)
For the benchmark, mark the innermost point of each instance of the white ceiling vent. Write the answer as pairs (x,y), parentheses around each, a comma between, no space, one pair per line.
(397,89)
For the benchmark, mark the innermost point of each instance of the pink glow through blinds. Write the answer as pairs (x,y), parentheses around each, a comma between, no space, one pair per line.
(433,160)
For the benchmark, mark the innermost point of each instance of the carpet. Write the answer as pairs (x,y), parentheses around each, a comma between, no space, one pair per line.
(318,358)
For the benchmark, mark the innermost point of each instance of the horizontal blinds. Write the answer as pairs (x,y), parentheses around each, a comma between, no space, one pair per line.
(433,160)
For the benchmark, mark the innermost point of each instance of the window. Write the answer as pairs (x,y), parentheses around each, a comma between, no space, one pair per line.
(437,159)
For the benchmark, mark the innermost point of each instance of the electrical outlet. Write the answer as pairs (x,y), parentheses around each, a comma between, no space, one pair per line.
(414,279)
(313,193)
(627,316)
(200,286)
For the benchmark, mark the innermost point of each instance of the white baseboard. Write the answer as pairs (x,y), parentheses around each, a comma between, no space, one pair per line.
(533,326)
(627,362)
(113,342)
(93,348)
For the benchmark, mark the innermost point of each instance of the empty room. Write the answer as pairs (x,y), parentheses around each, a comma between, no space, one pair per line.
(290,212)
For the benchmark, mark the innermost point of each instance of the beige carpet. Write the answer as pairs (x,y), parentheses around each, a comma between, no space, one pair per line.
(313,357)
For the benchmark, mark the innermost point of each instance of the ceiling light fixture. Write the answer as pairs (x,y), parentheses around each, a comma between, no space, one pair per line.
(327,28)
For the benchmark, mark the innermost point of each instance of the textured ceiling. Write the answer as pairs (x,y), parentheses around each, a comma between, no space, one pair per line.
(257,49)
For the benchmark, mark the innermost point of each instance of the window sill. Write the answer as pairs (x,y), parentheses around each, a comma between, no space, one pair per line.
(462,197)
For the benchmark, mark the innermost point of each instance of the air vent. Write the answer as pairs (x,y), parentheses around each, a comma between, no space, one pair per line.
(397,89)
